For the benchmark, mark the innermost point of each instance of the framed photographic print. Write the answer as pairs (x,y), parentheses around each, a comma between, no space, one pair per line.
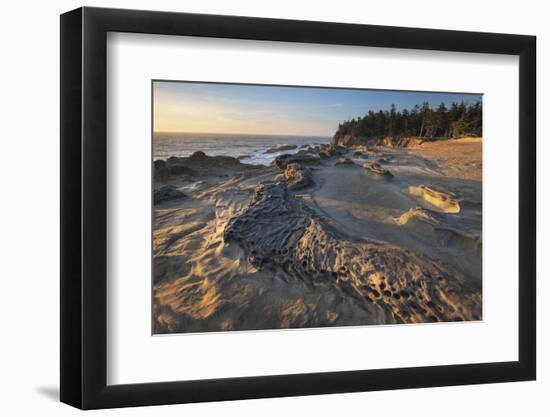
(257,207)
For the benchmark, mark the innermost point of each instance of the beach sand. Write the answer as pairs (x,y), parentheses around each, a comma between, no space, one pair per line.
(317,239)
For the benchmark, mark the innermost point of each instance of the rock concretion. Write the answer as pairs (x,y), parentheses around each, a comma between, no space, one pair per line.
(440,199)
(419,213)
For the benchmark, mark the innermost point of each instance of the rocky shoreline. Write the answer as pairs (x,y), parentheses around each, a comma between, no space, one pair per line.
(348,233)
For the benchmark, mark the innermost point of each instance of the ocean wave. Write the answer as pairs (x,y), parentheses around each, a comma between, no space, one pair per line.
(251,149)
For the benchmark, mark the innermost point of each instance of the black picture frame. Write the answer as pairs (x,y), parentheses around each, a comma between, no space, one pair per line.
(84,207)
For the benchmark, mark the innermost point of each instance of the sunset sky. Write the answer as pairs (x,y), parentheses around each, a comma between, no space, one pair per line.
(239,108)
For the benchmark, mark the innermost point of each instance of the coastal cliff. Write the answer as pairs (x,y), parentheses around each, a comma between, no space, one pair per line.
(349,140)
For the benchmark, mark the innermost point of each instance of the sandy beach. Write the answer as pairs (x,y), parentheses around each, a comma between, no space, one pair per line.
(378,233)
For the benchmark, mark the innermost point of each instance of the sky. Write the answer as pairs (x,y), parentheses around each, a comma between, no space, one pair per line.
(254,109)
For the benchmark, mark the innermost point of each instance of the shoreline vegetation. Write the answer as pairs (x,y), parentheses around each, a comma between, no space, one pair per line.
(368,229)
(420,122)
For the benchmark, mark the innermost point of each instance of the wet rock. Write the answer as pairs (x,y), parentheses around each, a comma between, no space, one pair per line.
(346,162)
(282,148)
(160,170)
(198,155)
(199,164)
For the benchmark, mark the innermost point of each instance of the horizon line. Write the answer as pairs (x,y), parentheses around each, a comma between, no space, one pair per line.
(236,133)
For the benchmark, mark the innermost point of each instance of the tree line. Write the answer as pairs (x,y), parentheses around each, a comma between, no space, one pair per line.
(458,120)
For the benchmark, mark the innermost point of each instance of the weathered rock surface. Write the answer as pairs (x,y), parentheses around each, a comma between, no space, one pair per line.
(377,169)
(199,164)
(381,160)
(297,177)
(440,199)
(302,157)
(167,193)
(443,229)
(280,233)
(350,141)
(163,170)
(261,249)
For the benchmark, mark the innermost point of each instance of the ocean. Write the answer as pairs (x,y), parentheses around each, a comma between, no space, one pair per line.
(250,149)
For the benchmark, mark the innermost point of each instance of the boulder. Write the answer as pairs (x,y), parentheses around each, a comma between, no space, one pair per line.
(170,168)
(300,158)
(198,155)
(377,169)
(199,164)
(297,177)
(282,148)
